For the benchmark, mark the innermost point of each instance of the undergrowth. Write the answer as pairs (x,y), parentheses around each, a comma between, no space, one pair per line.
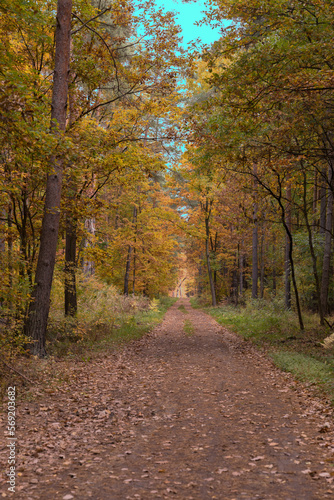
(105,320)
(272,327)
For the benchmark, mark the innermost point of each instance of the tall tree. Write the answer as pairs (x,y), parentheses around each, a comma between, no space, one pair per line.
(36,322)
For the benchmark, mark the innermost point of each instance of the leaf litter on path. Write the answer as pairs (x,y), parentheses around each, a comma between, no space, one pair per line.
(191,417)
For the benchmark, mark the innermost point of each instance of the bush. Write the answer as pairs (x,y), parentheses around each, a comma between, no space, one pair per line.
(104,316)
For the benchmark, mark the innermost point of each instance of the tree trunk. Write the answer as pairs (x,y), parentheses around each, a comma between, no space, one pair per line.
(312,251)
(241,272)
(235,281)
(315,200)
(262,266)
(286,219)
(128,259)
(255,254)
(327,246)
(88,266)
(70,292)
(322,228)
(274,266)
(127,271)
(71,306)
(287,273)
(11,295)
(287,268)
(37,318)
(4,266)
(207,254)
(134,272)
(200,273)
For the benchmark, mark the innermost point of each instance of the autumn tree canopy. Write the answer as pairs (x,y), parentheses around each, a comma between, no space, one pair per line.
(165,165)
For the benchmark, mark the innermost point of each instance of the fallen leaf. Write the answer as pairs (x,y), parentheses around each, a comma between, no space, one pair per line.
(220,471)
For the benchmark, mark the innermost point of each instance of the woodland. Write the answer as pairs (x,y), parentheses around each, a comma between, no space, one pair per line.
(133,169)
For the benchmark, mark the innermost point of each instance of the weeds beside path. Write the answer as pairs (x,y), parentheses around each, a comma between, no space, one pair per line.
(275,330)
(173,415)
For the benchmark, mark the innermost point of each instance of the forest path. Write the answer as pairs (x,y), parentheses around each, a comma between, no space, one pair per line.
(198,416)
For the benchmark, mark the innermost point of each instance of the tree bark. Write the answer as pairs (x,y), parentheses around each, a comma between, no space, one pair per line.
(207,254)
(200,273)
(134,272)
(327,245)
(212,286)
(11,295)
(128,259)
(241,272)
(88,266)
(127,271)
(285,218)
(287,263)
(255,240)
(274,266)
(287,273)
(255,270)
(262,263)
(70,292)
(312,251)
(37,318)
(71,305)
(315,200)
(235,281)
(322,224)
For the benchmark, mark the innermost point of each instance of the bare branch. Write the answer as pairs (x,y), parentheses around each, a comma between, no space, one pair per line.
(89,21)
(105,44)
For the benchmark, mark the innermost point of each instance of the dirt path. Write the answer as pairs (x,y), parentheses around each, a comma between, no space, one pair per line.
(174,415)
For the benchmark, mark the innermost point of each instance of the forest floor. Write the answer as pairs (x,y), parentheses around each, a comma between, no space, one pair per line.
(190,411)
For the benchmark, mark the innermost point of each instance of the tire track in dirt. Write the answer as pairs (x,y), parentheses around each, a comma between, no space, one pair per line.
(198,416)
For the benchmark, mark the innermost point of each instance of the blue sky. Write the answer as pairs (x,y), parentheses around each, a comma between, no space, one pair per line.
(188,14)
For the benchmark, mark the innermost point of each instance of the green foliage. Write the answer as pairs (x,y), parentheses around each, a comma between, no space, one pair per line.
(12,341)
(13,345)
(304,269)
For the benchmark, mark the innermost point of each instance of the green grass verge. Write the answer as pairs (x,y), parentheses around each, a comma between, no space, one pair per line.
(307,369)
(183,309)
(273,328)
(137,325)
(196,303)
(188,327)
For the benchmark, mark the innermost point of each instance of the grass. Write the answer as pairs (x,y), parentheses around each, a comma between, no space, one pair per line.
(273,328)
(307,369)
(196,303)
(259,321)
(82,335)
(183,309)
(188,327)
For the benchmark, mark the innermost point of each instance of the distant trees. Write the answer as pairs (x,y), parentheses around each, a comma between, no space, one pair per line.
(252,194)
(266,121)
(112,77)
